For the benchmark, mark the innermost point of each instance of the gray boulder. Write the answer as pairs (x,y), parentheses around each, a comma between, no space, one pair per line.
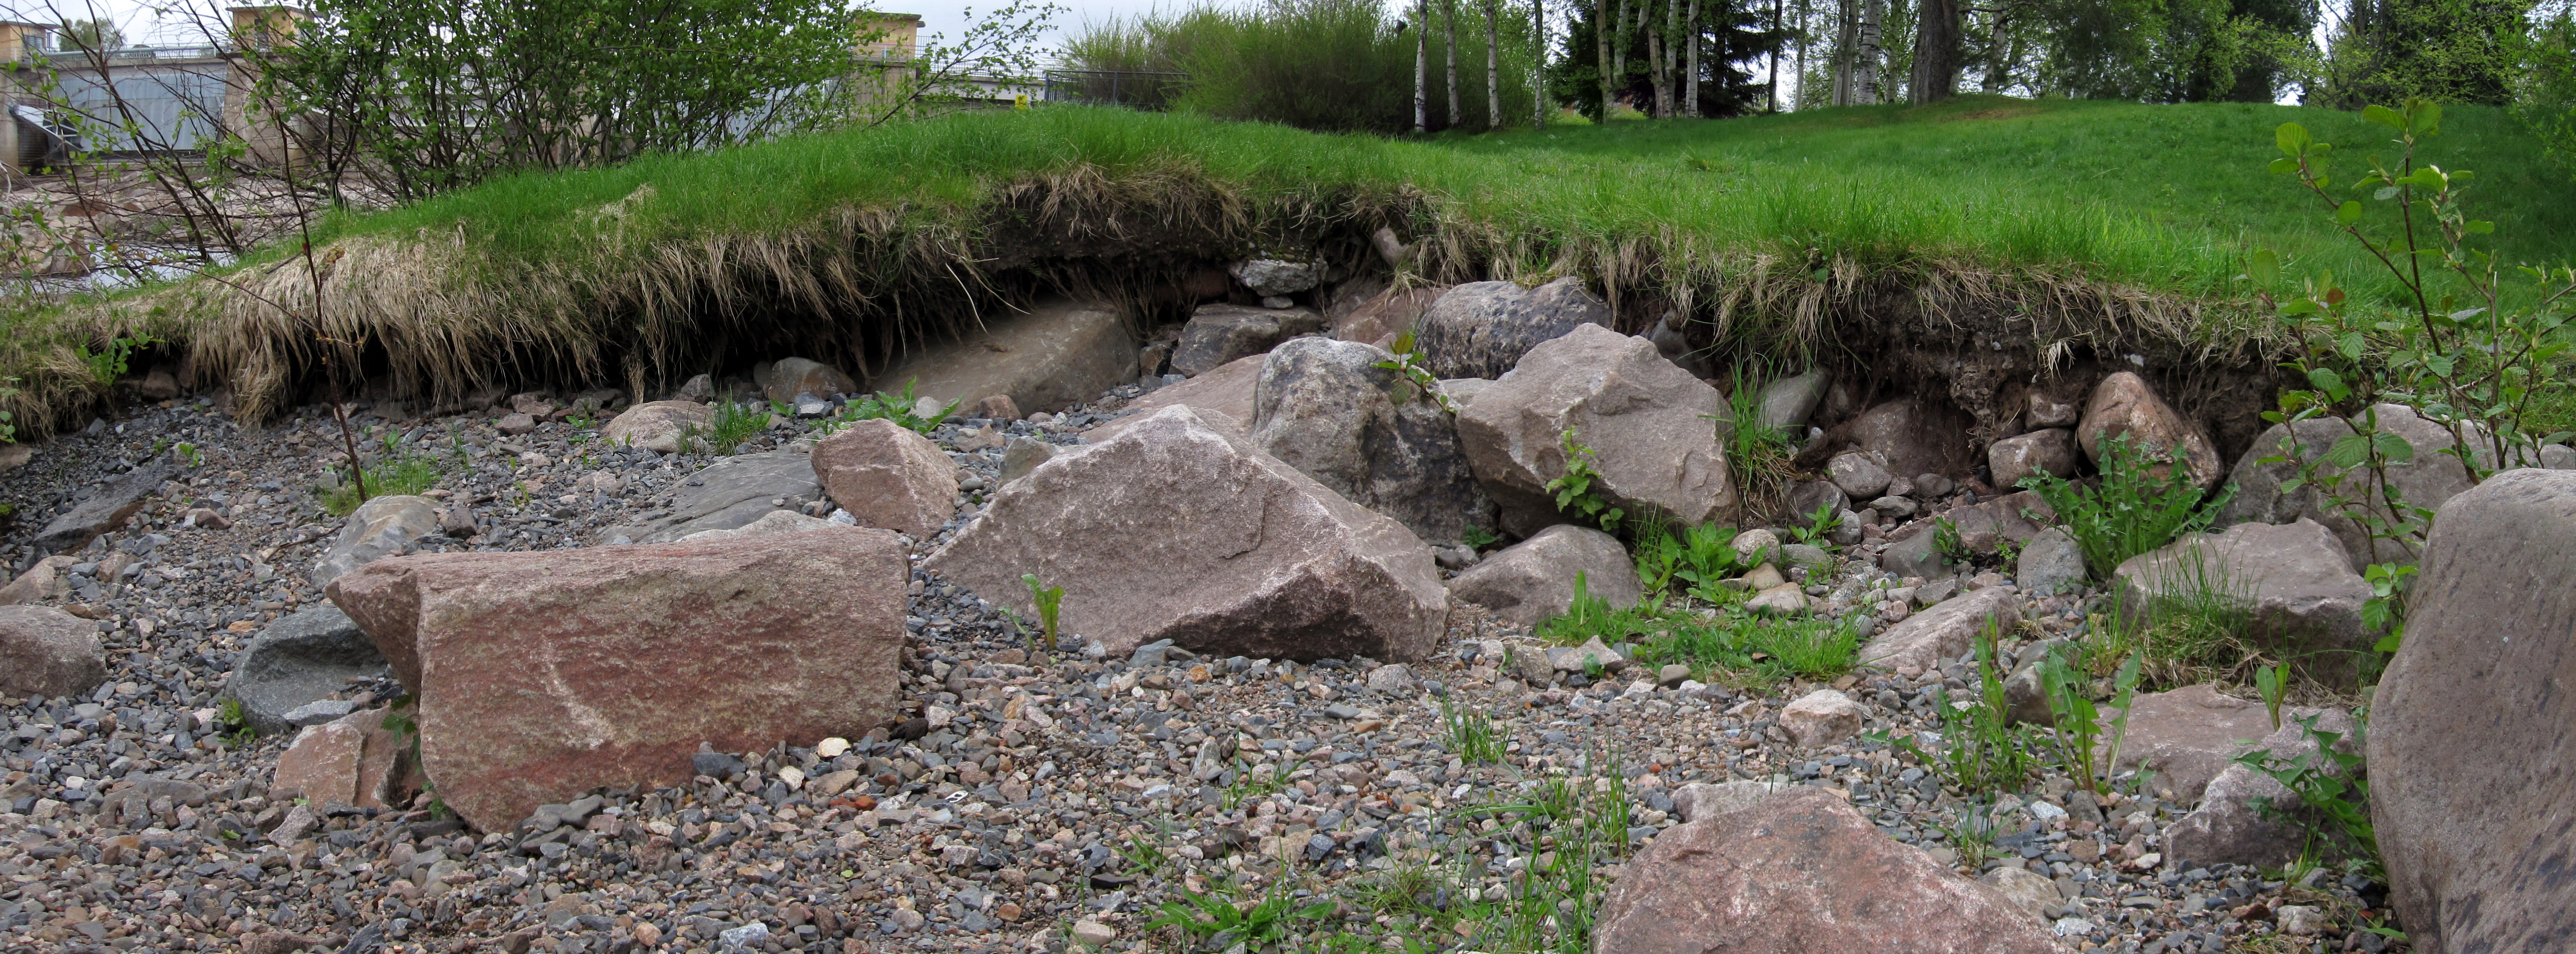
(2123,404)
(1944,631)
(48,652)
(1024,454)
(1326,408)
(2050,563)
(1175,529)
(1533,580)
(298,660)
(2470,753)
(1649,425)
(1912,436)
(106,509)
(1787,403)
(2428,480)
(382,527)
(2301,602)
(1276,276)
(728,494)
(1221,333)
(1481,329)
(2050,451)
(1860,475)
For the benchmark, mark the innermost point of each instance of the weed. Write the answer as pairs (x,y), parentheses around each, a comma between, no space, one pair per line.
(1819,529)
(232,725)
(1808,648)
(1471,734)
(2129,511)
(1418,377)
(400,472)
(1476,538)
(2267,681)
(1980,749)
(733,424)
(1573,490)
(1945,538)
(1216,922)
(2194,626)
(1048,598)
(1974,834)
(2077,724)
(188,452)
(1589,616)
(901,408)
(1757,458)
(8,429)
(2330,783)
(110,363)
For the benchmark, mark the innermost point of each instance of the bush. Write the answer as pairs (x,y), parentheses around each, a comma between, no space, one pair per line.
(2129,510)
(1334,65)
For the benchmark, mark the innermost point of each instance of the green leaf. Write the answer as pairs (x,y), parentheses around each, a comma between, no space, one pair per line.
(2265,267)
(2348,213)
(2285,166)
(2384,116)
(2427,119)
(2353,345)
(2390,642)
(2393,447)
(2348,451)
(2292,138)
(2386,193)
(2325,379)
(2478,226)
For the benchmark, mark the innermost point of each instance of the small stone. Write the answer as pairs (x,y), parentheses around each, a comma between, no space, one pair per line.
(1393,679)
(515,424)
(1672,675)
(998,407)
(1822,718)
(1093,934)
(832,748)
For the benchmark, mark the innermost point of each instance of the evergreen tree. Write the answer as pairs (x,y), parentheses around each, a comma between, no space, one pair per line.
(1733,37)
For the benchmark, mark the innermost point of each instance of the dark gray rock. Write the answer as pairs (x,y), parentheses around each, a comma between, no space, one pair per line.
(1326,408)
(730,494)
(1481,329)
(105,510)
(298,660)
(1220,333)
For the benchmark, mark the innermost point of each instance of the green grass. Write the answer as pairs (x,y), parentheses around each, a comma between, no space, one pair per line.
(2151,206)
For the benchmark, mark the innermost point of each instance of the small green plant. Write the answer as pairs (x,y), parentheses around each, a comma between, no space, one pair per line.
(1048,598)
(2194,627)
(1758,459)
(2082,748)
(2267,680)
(1699,557)
(1471,734)
(1980,749)
(1588,616)
(1807,648)
(2130,510)
(8,427)
(2330,782)
(232,725)
(733,424)
(1215,921)
(397,472)
(1973,836)
(901,408)
(1478,538)
(1419,378)
(1819,529)
(1573,490)
(188,452)
(1946,539)
(110,363)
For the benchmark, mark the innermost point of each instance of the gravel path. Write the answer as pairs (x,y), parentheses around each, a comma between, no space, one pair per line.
(1029,804)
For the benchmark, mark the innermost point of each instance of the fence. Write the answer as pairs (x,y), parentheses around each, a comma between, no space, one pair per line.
(1135,89)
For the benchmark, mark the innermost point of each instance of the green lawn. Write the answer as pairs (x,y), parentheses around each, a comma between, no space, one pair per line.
(2158,202)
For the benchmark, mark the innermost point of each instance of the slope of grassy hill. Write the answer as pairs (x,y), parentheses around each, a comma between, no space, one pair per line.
(861,241)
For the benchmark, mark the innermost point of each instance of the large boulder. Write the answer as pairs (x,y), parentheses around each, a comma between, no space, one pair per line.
(2429,479)
(382,527)
(1225,393)
(887,476)
(302,658)
(1387,315)
(1944,631)
(541,675)
(728,494)
(792,378)
(48,652)
(2301,601)
(1057,354)
(1326,408)
(1649,423)
(2050,451)
(1481,329)
(2248,818)
(2470,753)
(1175,529)
(2189,735)
(1801,870)
(657,425)
(2051,563)
(1220,333)
(105,509)
(2124,404)
(1532,580)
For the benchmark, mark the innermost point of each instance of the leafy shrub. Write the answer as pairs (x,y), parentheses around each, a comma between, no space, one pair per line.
(2078,729)
(2129,510)
(1573,490)
(1980,750)
(2332,784)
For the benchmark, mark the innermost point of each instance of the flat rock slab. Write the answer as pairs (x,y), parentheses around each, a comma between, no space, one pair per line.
(2248,818)
(1945,631)
(729,494)
(542,675)
(1802,871)
(1227,391)
(2189,735)
(2304,599)
(1218,334)
(301,658)
(106,509)
(1057,354)
(2472,766)
(1175,529)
